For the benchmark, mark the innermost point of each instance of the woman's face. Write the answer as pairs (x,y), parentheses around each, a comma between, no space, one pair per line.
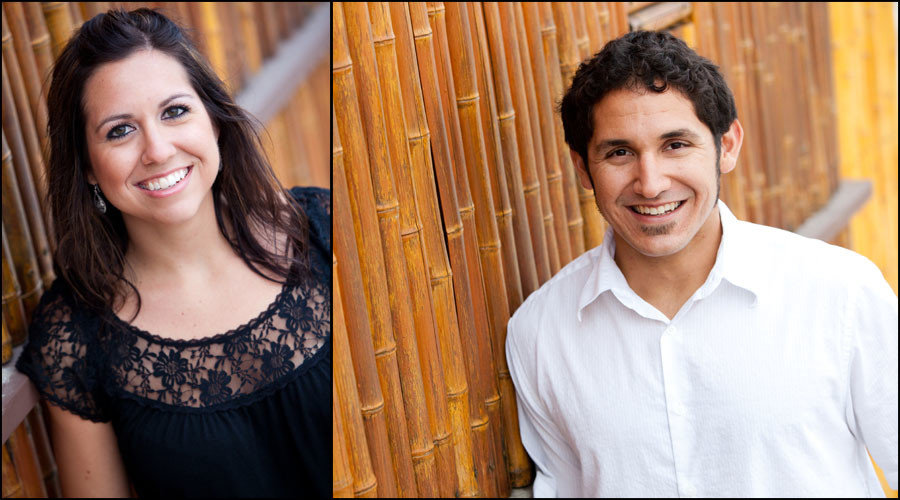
(152,146)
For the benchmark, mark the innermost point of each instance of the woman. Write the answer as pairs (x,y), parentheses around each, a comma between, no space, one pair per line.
(186,343)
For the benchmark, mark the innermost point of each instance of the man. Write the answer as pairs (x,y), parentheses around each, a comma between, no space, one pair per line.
(693,354)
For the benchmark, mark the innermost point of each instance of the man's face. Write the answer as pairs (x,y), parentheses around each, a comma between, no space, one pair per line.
(653,164)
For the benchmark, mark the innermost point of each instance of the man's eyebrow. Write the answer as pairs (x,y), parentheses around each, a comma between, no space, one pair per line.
(680,133)
(118,117)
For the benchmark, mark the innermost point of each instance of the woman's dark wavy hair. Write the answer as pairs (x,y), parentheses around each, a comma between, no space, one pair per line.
(654,60)
(91,246)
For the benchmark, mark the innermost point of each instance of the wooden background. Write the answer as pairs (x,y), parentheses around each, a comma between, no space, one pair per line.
(455,197)
(249,44)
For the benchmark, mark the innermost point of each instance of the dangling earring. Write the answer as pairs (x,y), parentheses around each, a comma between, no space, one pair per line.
(98,200)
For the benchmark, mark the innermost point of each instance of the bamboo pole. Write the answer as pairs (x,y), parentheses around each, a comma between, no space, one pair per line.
(366,370)
(59,23)
(518,464)
(460,37)
(342,480)
(410,230)
(813,118)
(252,48)
(387,209)
(12,129)
(351,438)
(91,9)
(517,26)
(596,38)
(19,238)
(571,187)
(366,226)
(506,124)
(529,35)
(478,361)
(725,44)
(494,156)
(756,176)
(22,452)
(418,135)
(12,486)
(429,61)
(13,309)
(33,86)
(569,60)
(7,344)
(41,44)
(530,182)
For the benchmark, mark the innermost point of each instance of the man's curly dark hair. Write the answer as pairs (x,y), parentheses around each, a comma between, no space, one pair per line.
(653,60)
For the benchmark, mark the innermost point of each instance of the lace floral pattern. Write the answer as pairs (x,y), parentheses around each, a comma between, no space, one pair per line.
(77,361)
(212,371)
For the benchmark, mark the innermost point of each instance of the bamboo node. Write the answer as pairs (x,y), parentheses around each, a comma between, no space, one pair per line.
(370,412)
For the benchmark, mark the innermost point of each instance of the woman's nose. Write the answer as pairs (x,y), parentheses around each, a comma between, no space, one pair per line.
(158,146)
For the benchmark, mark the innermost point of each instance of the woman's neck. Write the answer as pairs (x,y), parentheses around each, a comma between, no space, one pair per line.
(180,253)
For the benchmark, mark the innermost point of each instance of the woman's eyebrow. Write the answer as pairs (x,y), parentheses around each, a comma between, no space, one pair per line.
(118,117)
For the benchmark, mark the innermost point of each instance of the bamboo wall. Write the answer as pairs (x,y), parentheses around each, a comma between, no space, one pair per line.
(238,38)
(455,198)
(864,51)
(864,40)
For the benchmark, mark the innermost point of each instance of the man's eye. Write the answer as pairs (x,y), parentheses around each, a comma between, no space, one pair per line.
(677,145)
(619,152)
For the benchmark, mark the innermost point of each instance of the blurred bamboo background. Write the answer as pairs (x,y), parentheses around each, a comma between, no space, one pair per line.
(249,44)
(455,197)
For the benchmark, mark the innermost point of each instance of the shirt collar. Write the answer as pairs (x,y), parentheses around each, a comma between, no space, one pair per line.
(738,257)
(734,263)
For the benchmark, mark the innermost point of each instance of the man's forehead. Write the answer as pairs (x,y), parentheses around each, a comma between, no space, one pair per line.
(628,115)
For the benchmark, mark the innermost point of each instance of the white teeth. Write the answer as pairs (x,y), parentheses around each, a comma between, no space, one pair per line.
(657,210)
(165,182)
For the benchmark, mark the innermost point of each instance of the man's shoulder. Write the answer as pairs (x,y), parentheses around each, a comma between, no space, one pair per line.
(558,296)
(819,263)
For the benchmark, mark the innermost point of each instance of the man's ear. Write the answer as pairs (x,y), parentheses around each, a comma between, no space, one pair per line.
(581,170)
(731,146)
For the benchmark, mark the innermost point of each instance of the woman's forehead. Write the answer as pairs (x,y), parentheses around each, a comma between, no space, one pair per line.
(144,78)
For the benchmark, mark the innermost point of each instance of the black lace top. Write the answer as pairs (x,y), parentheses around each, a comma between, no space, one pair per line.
(244,413)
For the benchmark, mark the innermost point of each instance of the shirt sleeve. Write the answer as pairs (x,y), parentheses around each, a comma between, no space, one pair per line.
(872,329)
(58,356)
(316,204)
(541,438)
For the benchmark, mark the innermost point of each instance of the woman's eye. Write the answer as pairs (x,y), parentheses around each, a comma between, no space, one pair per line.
(113,134)
(171,113)
(168,113)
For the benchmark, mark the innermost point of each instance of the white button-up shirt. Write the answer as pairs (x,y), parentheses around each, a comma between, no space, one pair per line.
(771,381)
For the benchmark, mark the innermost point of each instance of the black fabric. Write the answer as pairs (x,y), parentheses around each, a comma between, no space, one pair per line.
(245,413)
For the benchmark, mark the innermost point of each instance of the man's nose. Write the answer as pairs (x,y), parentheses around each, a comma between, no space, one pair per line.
(651,178)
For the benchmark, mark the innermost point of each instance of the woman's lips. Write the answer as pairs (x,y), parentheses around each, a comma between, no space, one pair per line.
(173,189)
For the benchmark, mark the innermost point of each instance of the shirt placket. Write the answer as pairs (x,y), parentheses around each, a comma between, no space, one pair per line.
(676,384)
